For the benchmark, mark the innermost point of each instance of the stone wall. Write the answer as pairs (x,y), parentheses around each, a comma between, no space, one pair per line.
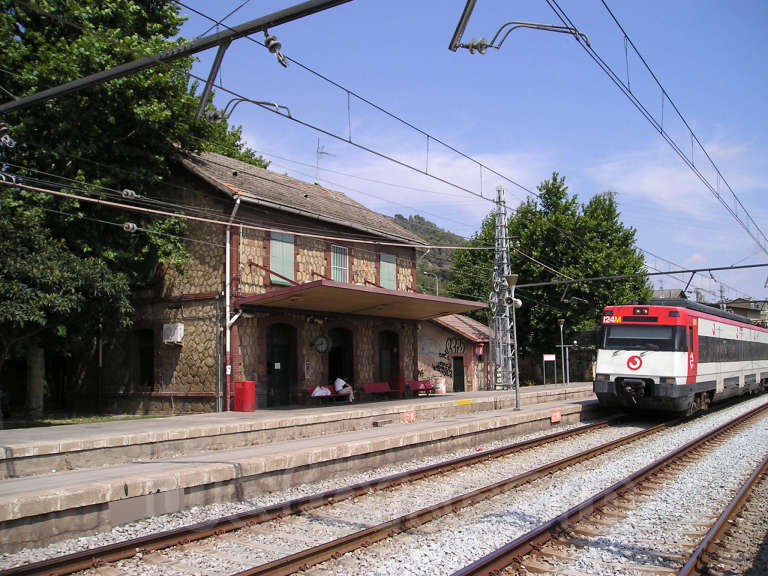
(252,249)
(311,257)
(437,348)
(185,375)
(364,265)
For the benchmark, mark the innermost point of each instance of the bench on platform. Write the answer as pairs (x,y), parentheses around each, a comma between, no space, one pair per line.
(421,387)
(332,396)
(379,389)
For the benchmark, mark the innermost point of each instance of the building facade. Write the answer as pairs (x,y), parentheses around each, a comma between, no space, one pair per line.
(453,350)
(289,285)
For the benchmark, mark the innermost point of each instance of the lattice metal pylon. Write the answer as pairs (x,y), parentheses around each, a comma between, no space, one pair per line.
(499,302)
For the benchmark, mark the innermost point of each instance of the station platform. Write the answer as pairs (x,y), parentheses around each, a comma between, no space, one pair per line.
(79,479)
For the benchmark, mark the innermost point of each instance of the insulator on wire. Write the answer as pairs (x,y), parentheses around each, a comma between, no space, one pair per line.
(274,46)
(130,194)
(130,227)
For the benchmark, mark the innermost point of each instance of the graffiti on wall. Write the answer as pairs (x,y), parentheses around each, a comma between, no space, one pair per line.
(453,347)
(443,368)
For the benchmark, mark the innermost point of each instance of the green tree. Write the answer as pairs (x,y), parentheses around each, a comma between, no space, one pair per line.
(121,134)
(555,233)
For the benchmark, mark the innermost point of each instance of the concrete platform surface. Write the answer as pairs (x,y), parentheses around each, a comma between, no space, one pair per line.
(42,507)
(32,451)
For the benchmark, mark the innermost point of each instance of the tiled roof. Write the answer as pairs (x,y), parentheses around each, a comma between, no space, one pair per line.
(283,192)
(465,326)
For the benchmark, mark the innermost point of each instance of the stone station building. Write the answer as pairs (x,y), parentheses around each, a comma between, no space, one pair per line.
(289,285)
(454,351)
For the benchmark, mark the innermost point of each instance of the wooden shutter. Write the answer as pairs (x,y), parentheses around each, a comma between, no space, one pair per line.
(388,271)
(281,258)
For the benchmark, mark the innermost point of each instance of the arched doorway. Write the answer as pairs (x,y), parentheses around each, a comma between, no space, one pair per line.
(340,364)
(281,363)
(389,360)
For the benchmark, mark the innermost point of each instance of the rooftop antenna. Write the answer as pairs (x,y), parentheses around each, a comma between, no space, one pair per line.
(320,151)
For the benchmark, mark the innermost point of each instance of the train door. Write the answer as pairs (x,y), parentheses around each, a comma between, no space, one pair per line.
(693,351)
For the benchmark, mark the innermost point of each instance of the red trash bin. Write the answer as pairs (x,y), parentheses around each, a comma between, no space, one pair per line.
(245,395)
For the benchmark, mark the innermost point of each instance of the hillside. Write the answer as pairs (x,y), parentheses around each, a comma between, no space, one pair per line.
(436,261)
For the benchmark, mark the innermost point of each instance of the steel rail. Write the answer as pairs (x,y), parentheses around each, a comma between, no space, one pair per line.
(363,538)
(698,562)
(513,552)
(119,551)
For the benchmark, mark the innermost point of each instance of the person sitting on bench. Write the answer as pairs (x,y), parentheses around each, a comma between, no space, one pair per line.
(341,387)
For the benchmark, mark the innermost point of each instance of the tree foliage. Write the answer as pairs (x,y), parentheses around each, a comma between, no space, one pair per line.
(76,265)
(554,232)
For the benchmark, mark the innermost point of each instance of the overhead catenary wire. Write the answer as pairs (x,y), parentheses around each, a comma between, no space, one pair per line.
(658,125)
(291,117)
(321,130)
(362,147)
(638,275)
(156,212)
(195,209)
(350,92)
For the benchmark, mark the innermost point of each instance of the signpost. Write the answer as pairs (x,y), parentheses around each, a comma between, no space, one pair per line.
(548,358)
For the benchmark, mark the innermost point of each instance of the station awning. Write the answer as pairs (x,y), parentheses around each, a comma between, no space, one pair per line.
(341,298)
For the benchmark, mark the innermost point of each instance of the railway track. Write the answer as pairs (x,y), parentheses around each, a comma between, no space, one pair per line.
(318,531)
(584,539)
(734,540)
(145,549)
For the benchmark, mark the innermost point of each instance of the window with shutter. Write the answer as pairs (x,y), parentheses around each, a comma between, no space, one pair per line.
(281,258)
(339,263)
(388,272)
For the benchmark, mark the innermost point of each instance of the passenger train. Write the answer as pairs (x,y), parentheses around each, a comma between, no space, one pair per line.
(677,357)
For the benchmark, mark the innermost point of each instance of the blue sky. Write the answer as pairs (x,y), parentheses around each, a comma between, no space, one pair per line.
(537,105)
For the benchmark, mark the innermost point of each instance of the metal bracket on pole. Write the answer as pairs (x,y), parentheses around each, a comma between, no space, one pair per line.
(689,282)
(211,77)
(198,45)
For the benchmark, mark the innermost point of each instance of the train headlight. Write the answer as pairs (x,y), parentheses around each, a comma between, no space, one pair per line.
(602,377)
(667,380)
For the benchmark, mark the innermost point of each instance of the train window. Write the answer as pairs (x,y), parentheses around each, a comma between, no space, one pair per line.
(629,337)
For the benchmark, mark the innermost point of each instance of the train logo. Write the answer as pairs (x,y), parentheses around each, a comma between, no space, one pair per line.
(635,363)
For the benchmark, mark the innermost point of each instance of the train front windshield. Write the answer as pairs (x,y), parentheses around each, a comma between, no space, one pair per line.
(643,337)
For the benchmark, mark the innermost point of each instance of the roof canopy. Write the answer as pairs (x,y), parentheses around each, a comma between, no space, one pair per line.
(465,326)
(342,298)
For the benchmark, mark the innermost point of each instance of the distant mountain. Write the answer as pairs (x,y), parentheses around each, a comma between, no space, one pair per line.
(436,261)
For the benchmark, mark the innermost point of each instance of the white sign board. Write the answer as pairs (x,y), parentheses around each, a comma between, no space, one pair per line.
(549,357)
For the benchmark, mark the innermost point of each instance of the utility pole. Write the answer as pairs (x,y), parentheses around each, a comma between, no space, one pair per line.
(500,300)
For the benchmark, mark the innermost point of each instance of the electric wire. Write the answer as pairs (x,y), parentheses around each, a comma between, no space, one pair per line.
(103,202)
(194,209)
(553,4)
(291,117)
(376,107)
(220,22)
(306,124)
(348,141)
